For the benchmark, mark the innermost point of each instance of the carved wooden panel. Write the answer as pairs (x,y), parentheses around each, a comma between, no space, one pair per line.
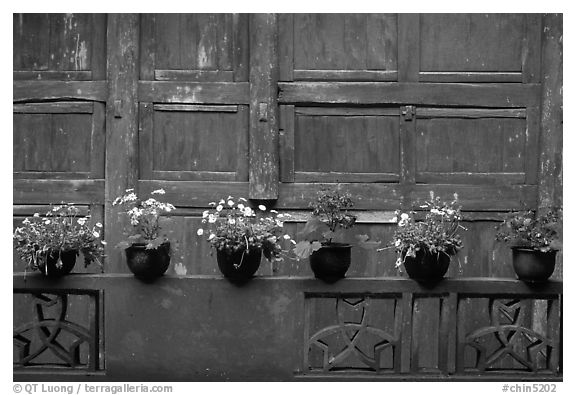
(62,330)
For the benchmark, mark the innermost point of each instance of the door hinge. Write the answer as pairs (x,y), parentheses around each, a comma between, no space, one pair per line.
(408,113)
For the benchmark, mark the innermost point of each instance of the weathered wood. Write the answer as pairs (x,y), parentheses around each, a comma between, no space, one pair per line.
(98,54)
(194,193)
(470,178)
(147,46)
(54,108)
(408,47)
(312,176)
(241,45)
(550,172)
(286,130)
(286,47)
(56,191)
(57,175)
(122,129)
(52,75)
(28,211)
(263,167)
(59,90)
(194,75)
(533,146)
(407,305)
(469,76)
(146,140)
(429,112)
(345,75)
(447,335)
(446,94)
(347,111)
(187,175)
(407,145)
(193,107)
(194,92)
(532,50)
(242,129)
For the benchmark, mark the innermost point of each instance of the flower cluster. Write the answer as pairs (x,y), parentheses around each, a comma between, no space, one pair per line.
(526,229)
(61,229)
(436,233)
(235,226)
(144,218)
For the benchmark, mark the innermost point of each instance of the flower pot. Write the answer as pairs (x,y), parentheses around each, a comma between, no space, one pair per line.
(533,265)
(50,266)
(331,262)
(426,266)
(240,265)
(148,263)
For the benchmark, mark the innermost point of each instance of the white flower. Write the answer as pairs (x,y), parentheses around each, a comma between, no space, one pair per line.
(212,204)
(398,242)
(248,212)
(450,211)
(221,201)
(262,207)
(96,234)
(103,242)
(274,211)
(398,262)
(242,199)
(130,190)
(200,232)
(98,225)
(279,223)
(47,222)
(395,219)
(436,211)
(241,206)
(231,221)
(404,216)
(219,208)
(230,203)
(26,221)
(402,222)
(205,214)
(36,215)
(211,218)
(212,235)
(159,192)
(286,237)
(82,221)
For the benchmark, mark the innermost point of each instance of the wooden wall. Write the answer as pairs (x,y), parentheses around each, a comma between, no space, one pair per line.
(275,107)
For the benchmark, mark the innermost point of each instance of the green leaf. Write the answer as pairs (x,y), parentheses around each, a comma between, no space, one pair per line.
(123,245)
(303,249)
(312,225)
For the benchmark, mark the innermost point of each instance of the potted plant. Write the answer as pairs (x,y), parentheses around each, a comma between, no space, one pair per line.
(147,248)
(425,247)
(241,234)
(323,233)
(535,240)
(51,244)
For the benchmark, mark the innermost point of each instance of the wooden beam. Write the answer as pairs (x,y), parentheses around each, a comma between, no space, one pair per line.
(56,191)
(121,126)
(441,94)
(59,90)
(264,163)
(550,172)
(194,92)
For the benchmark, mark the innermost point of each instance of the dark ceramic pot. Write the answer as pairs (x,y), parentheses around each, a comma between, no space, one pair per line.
(331,262)
(240,265)
(426,266)
(148,263)
(50,266)
(533,265)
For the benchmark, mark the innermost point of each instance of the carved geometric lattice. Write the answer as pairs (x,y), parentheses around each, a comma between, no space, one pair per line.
(362,334)
(508,338)
(50,339)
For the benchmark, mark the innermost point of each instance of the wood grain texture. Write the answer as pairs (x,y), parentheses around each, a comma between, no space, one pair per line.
(52,75)
(59,90)
(194,75)
(54,108)
(263,140)
(194,92)
(408,47)
(469,76)
(56,191)
(445,94)
(122,132)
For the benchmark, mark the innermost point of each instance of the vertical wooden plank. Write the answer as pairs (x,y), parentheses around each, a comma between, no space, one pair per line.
(554,333)
(264,166)
(145,138)
(532,147)
(224,41)
(98,141)
(286,46)
(532,49)
(241,46)
(406,336)
(242,127)
(147,46)
(98,59)
(447,338)
(408,47)
(460,335)
(407,149)
(287,143)
(550,171)
(121,125)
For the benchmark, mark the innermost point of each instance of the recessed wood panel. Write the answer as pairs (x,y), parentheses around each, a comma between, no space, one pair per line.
(345,42)
(473,145)
(346,144)
(472,42)
(194,42)
(52,42)
(52,142)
